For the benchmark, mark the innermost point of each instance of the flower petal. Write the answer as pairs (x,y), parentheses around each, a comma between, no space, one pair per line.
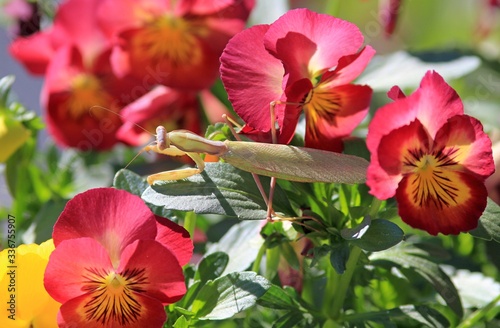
(74,313)
(69,264)
(349,67)
(433,103)
(400,146)
(115,218)
(450,205)
(165,279)
(335,114)
(309,43)
(252,77)
(175,238)
(466,143)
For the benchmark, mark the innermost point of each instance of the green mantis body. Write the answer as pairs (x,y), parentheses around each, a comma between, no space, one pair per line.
(273,160)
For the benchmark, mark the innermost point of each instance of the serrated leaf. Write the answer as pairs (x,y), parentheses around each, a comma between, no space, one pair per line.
(429,270)
(374,236)
(219,189)
(129,181)
(228,295)
(489,223)
(277,298)
(212,266)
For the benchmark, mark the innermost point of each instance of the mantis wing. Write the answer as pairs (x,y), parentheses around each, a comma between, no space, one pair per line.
(296,163)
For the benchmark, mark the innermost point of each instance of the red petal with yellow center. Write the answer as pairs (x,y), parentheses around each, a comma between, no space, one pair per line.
(441,201)
(333,113)
(167,51)
(432,104)
(155,269)
(113,217)
(398,151)
(464,140)
(73,263)
(80,274)
(75,313)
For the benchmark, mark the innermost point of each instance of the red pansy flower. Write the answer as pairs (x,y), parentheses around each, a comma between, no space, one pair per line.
(180,41)
(116,264)
(432,157)
(81,100)
(305,58)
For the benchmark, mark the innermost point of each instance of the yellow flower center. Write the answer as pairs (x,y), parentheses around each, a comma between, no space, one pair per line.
(86,91)
(114,295)
(322,104)
(433,179)
(169,39)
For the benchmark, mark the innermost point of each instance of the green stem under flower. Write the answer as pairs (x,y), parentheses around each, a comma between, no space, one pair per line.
(190,223)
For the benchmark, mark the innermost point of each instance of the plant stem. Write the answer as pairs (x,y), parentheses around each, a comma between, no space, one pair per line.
(258,259)
(345,282)
(190,223)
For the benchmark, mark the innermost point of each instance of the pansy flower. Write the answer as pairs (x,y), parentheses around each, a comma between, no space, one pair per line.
(25,302)
(81,95)
(181,41)
(305,59)
(432,157)
(116,264)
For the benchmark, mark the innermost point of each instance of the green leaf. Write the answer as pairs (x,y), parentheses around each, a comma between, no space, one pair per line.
(5,86)
(219,189)
(212,266)
(489,223)
(339,256)
(422,314)
(129,181)
(241,243)
(277,298)
(374,236)
(181,322)
(229,295)
(291,319)
(430,271)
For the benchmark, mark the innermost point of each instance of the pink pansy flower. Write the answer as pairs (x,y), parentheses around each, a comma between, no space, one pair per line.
(432,157)
(161,106)
(116,264)
(304,58)
(180,41)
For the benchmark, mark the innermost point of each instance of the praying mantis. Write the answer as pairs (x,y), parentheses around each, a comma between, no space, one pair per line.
(274,160)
